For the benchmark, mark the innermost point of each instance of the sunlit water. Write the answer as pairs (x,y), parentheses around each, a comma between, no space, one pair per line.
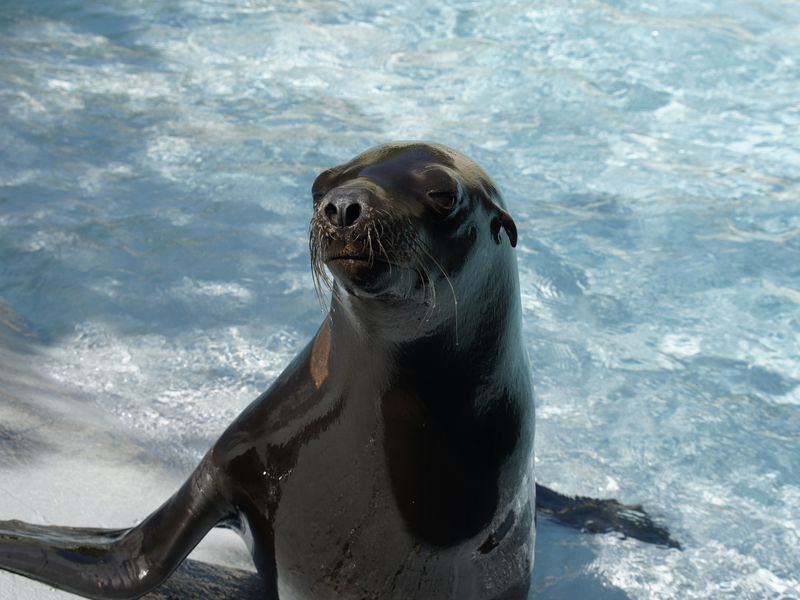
(155,166)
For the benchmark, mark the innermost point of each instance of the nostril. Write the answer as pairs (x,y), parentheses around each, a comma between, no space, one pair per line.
(344,207)
(342,214)
(351,214)
(331,212)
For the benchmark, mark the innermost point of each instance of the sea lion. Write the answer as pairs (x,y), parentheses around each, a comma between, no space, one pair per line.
(393,458)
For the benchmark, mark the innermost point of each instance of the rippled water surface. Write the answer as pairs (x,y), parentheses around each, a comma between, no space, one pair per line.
(155,167)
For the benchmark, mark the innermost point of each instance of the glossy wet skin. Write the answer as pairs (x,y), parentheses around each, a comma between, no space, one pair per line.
(400,222)
(393,457)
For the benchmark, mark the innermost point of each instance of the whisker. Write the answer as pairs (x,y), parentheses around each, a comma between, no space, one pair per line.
(395,241)
(319,275)
(382,248)
(371,259)
(427,252)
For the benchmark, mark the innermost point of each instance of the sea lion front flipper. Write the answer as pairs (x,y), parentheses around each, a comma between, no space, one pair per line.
(121,563)
(602,516)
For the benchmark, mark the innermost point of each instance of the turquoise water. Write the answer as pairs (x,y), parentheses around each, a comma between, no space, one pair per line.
(155,168)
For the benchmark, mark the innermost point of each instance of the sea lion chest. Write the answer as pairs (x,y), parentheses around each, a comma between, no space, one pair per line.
(365,491)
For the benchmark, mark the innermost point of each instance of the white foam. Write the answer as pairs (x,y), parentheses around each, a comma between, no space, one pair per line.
(782,291)
(213,289)
(171,156)
(96,179)
(681,345)
(192,385)
(48,240)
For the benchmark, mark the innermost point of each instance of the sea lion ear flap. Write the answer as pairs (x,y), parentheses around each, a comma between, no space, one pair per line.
(504,220)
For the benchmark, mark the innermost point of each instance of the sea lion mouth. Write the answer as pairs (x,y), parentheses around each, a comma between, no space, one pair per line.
(357,268)
(379,238)
(371,258)
(355,249)
(346,257)
(359,259)
(382,254)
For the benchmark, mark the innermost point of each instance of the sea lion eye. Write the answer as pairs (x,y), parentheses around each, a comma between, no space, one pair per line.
(316,196)
(442,188)
(443,199)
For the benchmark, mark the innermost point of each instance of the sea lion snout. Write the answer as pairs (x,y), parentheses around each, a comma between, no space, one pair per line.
(343,206)
(358,238)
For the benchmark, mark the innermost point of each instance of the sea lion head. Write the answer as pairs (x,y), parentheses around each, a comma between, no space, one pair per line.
(402,224)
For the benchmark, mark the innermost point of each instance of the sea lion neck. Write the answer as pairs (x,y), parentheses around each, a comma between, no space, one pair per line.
(381,338)
(379,321)
(356,340)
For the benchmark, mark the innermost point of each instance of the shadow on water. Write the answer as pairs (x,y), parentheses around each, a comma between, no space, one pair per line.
(39,416)
(194,579)
(19,447)
(563,566)
(39,421)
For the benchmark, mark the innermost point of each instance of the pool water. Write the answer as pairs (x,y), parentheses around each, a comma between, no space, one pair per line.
(155,172)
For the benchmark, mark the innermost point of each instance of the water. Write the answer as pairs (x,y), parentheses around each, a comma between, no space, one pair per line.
(155,167)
